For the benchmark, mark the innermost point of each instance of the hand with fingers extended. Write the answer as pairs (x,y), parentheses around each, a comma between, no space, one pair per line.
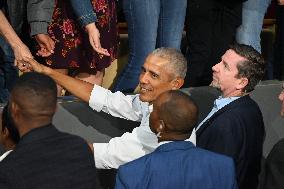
(94,38)
(21,52)
(46,45)
(29,64)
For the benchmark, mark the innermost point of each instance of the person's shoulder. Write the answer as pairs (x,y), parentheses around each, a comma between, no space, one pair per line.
(214,157)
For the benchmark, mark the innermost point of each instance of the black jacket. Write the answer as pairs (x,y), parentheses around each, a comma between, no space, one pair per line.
(47,158)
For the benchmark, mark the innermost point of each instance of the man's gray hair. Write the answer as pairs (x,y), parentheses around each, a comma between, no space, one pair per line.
(177,64)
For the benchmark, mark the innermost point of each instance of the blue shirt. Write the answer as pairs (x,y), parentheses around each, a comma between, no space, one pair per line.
(218,104)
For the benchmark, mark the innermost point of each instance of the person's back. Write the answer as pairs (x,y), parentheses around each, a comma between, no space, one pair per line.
(43,156)
(47,158)
(179,165)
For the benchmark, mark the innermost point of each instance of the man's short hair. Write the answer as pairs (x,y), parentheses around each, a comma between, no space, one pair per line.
(177,63)
(7,122)
(253,68)
(179,111)
(35,93)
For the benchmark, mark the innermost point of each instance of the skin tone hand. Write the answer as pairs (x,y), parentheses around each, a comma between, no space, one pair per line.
(94,38)
(21,52)
(281,2)
(46,45)
(31,65)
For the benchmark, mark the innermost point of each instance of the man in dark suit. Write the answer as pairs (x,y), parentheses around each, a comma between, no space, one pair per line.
(235,126)
(176,163)
(44,157)
(274,164)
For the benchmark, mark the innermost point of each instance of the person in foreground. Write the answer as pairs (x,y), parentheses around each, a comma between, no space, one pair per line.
(44,157)
(9,135)
(234,126)
(274,164)
(163,70)
(176,163)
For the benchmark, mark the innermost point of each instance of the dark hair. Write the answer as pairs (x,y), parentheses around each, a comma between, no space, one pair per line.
(179,111)
(37,91)
(7,122)
(253,68)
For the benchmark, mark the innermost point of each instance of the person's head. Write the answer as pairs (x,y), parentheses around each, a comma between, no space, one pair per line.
(239,71)
(174,116)
(164,69)
(33,101)
(9,135)
(281,98)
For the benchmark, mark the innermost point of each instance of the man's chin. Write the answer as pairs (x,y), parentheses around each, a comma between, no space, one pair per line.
(144,98)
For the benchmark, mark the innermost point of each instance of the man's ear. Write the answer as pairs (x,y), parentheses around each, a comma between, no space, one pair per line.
(161,127)
(242,83)
(5,132)
(14,111)
(177,83)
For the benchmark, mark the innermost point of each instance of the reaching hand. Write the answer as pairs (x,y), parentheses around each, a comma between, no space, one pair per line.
(21,52)
(46,45)
(29,64)
(94,38)
(281,2)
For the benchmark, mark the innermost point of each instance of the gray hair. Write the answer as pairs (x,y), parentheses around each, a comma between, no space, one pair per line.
(177,64)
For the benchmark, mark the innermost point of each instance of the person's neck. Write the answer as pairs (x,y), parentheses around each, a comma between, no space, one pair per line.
(26,127)
(173,137)
(237,93)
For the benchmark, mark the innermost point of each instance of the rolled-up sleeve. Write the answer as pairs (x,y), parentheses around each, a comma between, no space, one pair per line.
(39,14)
(84,11)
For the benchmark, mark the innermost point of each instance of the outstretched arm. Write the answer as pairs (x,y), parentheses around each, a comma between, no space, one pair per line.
(77,87)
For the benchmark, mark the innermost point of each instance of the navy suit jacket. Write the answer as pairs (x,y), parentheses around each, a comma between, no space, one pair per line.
(178,165)
(236,130)
(48,159)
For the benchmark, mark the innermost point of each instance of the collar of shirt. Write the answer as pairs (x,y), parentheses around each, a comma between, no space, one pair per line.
(164,142)
(5,155)
(218,104)
(221,102)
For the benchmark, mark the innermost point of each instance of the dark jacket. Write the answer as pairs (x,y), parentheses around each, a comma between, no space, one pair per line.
(274,167)
(236,130)
(47,158)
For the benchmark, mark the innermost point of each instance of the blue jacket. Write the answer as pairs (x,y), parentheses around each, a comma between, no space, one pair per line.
(178,165)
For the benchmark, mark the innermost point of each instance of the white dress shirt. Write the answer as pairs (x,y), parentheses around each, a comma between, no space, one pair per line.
(129,146)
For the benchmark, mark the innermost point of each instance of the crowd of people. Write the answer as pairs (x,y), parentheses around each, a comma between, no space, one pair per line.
(170,148)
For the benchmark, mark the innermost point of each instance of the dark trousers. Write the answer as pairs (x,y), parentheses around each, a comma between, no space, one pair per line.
(211,28)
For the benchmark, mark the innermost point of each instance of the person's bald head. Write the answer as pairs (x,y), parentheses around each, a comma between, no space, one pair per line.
(175,113)
(33,99)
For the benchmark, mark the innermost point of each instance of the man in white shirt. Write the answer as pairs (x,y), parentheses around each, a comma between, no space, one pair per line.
(164,69)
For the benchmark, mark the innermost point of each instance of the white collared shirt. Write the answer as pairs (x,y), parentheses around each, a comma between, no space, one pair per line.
(129,146)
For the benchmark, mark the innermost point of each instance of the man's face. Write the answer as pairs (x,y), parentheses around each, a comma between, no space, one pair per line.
(154,78)
(281,98)
(225,72)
